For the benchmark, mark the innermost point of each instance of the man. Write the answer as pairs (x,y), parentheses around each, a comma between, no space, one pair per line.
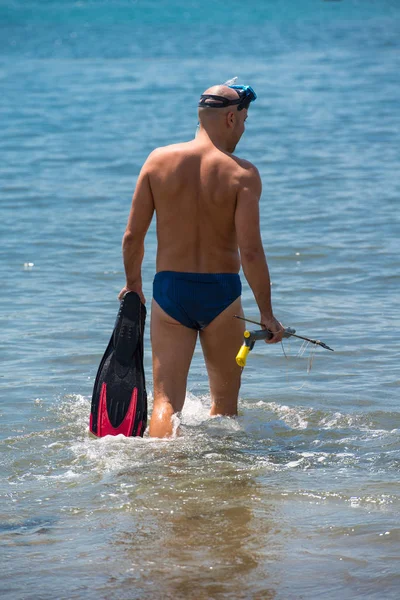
(207,208)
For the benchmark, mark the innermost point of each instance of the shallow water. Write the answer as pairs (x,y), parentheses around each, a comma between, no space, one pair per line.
(299,496)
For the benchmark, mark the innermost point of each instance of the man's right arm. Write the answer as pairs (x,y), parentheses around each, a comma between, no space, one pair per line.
(254,263)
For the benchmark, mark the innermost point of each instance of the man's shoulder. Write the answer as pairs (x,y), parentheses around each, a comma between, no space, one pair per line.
(161,154)
(247,169)
(162,151)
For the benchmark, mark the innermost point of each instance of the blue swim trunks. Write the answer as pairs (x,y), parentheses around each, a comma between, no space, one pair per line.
(195,299)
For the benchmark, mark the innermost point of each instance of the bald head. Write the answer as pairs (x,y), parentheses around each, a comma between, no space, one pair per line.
(213,109)
(222,90)
(221,120)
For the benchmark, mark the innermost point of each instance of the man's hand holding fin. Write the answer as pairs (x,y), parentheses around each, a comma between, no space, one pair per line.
(136,288)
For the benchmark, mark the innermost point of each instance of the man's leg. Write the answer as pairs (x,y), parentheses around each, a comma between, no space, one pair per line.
(172,346)
(221,340)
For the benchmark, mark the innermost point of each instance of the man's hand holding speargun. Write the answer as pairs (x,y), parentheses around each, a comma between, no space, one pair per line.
(251,337)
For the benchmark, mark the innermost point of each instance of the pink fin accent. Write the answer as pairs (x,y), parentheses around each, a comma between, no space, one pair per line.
(104,426)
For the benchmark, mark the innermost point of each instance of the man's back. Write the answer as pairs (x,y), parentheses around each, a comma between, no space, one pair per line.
(194,187)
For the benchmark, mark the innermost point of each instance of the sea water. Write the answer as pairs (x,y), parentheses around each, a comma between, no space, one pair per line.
(298,497)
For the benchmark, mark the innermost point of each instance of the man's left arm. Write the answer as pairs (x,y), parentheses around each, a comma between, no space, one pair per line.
(139,220)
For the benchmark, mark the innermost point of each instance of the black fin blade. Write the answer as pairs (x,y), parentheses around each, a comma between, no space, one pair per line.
(120,382)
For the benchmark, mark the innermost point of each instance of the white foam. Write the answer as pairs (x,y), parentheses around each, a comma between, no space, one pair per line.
(68,475)
(196,409)
(294,417)
(294,463)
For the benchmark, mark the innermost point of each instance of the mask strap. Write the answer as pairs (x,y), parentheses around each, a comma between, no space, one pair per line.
(213,101)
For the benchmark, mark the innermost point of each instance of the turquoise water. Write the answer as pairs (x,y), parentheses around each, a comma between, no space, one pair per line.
(298,497)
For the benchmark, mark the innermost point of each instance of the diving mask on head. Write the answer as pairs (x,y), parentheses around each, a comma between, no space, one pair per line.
(245,93)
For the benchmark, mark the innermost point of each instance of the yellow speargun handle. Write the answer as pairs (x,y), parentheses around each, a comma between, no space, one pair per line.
(242,355)
(250,338)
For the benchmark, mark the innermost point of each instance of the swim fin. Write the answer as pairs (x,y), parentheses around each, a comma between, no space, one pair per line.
(119,401)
